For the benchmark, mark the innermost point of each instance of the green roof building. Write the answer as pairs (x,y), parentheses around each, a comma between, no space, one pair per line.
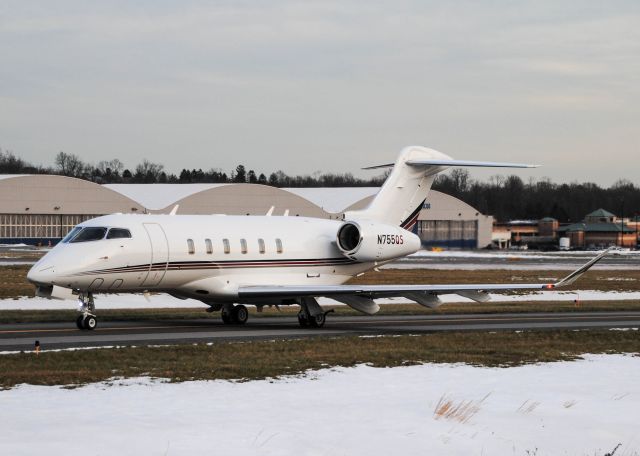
(600,228)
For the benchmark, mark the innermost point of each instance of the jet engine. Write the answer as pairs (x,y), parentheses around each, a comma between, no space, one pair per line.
(371,241)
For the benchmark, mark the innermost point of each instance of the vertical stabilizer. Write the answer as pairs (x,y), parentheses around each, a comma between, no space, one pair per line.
(401,197)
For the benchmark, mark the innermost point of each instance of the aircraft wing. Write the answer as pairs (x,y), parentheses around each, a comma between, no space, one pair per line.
(362,295)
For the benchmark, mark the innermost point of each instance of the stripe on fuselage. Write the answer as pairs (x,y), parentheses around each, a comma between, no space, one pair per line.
(228,264)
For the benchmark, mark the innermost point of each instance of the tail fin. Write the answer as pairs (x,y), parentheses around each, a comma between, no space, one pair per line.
(400,199)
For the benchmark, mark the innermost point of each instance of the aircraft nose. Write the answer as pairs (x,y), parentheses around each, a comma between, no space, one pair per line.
(42,274)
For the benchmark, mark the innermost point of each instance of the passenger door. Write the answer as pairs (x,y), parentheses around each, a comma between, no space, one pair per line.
(159,254)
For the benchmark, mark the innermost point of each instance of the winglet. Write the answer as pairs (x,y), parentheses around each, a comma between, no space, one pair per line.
(575,275)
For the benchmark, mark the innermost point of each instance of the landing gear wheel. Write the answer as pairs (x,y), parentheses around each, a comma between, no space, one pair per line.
(240,314)
(318,321)
(87,308)
(227,317)
(302,319)
(90,322)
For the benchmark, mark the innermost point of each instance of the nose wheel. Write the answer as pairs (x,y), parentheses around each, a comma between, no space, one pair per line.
(87,319)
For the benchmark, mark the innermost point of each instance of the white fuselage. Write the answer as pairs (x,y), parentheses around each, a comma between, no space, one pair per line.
(207,257)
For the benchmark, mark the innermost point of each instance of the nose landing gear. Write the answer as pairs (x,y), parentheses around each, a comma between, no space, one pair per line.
(86,306)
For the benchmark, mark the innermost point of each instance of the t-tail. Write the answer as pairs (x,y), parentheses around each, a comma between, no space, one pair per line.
(402,196)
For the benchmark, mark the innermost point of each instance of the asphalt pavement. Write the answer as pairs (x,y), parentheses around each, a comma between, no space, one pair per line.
(16,337)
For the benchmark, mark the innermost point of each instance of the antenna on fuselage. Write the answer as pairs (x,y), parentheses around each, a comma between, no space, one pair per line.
(270,211)
(286,213)
(174,210)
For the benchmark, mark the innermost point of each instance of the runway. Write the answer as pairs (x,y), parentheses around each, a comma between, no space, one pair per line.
(16,337)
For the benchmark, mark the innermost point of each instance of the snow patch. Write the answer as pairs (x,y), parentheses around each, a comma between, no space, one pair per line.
(583,407)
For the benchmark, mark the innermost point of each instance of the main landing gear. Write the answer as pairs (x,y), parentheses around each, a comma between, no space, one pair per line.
(311,314)
(87,318)
(234,315)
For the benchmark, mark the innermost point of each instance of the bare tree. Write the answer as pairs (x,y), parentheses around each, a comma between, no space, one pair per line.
(148,171)
(69,164)
(107,167)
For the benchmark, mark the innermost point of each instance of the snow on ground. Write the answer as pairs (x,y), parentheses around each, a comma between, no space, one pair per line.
(515,254)
(136,301)
(584,407)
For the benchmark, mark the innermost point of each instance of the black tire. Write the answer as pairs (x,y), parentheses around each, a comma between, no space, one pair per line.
(302,319)
(79,323)
(240,314)
(318,321)
(227,317)
(90,322)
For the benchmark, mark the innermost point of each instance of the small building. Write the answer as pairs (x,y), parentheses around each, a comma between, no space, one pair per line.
(600,228)
(548,227)
(515,232)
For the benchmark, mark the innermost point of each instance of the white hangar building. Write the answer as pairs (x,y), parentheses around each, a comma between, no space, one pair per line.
(41,209)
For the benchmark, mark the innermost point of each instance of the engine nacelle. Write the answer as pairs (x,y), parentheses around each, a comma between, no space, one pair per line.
(371,241)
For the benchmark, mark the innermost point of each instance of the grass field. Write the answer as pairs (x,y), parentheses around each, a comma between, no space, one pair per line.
(267,359)
(13,281)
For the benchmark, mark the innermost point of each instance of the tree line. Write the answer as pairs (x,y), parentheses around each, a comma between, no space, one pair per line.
(504,197)
(510,198)
(148,172)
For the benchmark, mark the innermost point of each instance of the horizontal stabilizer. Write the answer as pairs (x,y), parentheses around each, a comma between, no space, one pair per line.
(468,163)
(457,163)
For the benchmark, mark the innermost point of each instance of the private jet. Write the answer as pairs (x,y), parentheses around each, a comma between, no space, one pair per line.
(228,262)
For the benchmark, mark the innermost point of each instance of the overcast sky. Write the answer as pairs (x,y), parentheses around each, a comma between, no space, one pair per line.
(327,85)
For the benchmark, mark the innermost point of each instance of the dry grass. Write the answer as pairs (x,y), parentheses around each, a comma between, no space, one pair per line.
(13,282)
(603,280)
(264,359)
(461,412)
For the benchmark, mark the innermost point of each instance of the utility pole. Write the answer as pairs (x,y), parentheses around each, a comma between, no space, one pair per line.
(622,224)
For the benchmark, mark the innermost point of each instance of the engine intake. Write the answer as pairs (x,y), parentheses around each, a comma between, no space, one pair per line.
(349,237)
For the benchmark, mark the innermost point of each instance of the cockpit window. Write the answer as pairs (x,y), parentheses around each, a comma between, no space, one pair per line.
(70,235)
(90,234)
(118,233)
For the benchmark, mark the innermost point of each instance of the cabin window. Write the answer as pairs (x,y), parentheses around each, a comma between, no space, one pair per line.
(118,233)
(243,245)
(261,245)
(209,246)
(227,247)
(191,246)
(278,245)
(90,234)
